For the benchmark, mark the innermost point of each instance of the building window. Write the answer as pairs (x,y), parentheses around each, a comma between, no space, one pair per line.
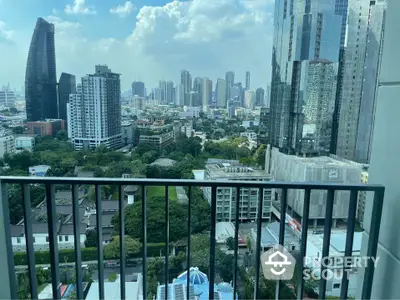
(47,239)
(66,238)
(18,240)
(60,238)
(336,285)
(34,240)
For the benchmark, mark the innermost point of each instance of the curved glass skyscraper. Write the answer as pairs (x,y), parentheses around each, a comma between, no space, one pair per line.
(40,78)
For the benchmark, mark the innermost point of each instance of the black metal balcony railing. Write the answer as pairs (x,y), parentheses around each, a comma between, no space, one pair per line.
(8,281)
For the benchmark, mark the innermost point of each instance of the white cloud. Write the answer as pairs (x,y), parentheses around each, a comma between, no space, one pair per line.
(78,7)
(208,37)
(5,35)
(123,10)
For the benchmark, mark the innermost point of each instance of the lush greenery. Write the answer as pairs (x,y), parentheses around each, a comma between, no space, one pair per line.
(112,250)
(159,192)
(155,220)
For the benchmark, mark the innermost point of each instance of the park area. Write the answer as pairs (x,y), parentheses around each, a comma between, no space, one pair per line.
(159,191)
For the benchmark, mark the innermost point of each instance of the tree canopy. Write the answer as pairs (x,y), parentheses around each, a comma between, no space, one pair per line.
(155,220)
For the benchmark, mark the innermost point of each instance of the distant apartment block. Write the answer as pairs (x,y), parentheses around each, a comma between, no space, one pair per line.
(218,169)
(250,134)
(47,127)
(24,143)
(159,140)
(7,145)
(94,112)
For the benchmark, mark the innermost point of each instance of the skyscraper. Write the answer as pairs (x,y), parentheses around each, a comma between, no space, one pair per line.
(360,70)
(186,81)
(169,92)
(206,93)
(66,86)
(230,81)
(162,85)
(220,91)
(247,80)
(198,88)
(310,30)
(94,112)
(250,98)
(40,77)
(138,89)
(260,97)
(180,95)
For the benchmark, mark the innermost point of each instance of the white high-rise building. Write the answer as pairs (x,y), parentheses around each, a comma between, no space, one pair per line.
(7,97)
(206,93)
(250,98)
(220,91)
(89,120)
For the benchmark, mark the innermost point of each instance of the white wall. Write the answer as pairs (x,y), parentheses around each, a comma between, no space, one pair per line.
(40,242)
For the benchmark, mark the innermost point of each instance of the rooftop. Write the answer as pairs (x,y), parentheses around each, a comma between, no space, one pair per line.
(234,171)
(163,162)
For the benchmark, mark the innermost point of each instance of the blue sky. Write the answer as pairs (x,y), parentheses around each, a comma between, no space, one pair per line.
(143,40)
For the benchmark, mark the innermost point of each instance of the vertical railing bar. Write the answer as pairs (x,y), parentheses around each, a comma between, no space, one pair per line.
(144,238)
(212,241)
(281,233)
(8,278)
(258,243)
(188,243)
(373,242)
(77,240)
(53,245)
(326,242)
(122,255)
(26,202)
(351,223)
(303,242)
(166,267)
(99,228)
(236,243)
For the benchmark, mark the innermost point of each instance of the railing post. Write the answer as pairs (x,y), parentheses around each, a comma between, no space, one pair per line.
(327,241)
(373,242)
(281,234)
(7,277)
(212,241)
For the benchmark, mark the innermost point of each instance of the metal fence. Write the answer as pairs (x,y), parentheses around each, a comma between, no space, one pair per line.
(7,278)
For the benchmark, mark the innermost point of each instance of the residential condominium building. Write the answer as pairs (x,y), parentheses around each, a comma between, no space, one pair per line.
(218,169)
(7,145)
(159,140)
(7,98)
(24,143)
(66,86)
(94,112)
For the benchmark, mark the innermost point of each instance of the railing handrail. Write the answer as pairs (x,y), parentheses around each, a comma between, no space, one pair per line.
(192,182)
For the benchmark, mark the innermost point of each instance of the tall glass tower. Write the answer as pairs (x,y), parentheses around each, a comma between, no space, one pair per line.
(305,31)
(40,77)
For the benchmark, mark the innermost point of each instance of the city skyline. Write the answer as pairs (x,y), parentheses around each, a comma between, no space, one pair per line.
(129,45)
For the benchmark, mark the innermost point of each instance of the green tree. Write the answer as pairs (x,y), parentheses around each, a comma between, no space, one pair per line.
(91,239)
(18,130)
(155,220)
(230,242)
(62,135)
(111,250)
(112,277)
